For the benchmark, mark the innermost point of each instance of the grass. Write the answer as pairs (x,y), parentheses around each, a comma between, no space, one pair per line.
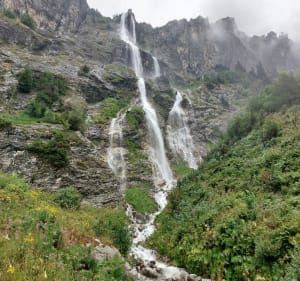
(109,110)
(20,119)
(140,200)
(182,169)
(41,241)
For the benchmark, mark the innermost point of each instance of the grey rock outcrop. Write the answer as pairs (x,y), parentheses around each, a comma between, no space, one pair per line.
(104,253)
(194,47)
(52,15)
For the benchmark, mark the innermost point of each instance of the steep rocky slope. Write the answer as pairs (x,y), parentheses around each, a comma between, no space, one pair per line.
(194,47)
(69,35)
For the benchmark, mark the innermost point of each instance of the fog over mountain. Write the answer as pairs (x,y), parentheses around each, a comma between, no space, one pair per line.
(253,17)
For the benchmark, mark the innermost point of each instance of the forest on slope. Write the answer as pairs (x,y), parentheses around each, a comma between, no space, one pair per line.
(237,216)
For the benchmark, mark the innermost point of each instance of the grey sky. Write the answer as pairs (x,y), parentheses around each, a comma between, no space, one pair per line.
(252,16)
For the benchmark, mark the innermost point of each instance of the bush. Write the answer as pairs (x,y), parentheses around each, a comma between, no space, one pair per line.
(27,20)
(25,81)
(84,70)
(240,127)
(113,224)
(140,200)
(55,151)
(270,130)
(74,119)
(68,198)
(135,117)
(5,125)
(10,14)
(50,116)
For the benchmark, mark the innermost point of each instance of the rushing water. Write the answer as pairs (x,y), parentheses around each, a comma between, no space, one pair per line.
(179,136)
(157,72)
(116,151)
(163,178)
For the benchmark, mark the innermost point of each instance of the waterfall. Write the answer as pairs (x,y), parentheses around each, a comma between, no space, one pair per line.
(157,148)
(157,72)
(116,151)
(179,136)
(163,178)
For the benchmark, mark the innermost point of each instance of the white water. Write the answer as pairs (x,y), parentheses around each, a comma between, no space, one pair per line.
(158,155)
(116,151)
(179,135)
(163,178)
(157,72)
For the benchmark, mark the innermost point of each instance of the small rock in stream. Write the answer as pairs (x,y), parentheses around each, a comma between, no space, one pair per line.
(149,272)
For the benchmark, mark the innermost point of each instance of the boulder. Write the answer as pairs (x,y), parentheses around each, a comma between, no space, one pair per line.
(103,253)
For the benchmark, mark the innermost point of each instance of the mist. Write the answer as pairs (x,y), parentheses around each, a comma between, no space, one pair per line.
(254,17)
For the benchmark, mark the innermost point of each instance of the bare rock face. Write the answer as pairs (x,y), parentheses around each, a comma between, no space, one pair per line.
(192,48)
(87,172)
(52,14)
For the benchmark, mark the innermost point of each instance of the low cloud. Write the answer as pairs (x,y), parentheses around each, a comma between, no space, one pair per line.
(253,17)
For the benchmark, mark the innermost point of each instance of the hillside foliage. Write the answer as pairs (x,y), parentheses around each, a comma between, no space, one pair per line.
(42,241)
(237,216)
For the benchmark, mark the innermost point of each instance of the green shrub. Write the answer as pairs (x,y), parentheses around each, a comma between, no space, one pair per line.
(50,116)
(68,198)
(113,224)
(49,88)
(74,119)
(55,151)
(25,81)
(240,127)
(140,200)
(27,20)
(270,130)
(84,70)
(135,117)
(5,125)
(293,269)
(54,85)
(10,14)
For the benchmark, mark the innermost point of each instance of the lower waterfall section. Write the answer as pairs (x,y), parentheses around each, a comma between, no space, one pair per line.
(179,135)
(116,151)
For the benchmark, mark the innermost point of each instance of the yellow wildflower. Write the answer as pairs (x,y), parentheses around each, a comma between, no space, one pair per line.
(33,193)
(29,238)
(11,269)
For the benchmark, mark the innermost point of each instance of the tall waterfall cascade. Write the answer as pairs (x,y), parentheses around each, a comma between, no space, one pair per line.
(157,147)
(163,178)
(179,135)
(116,151)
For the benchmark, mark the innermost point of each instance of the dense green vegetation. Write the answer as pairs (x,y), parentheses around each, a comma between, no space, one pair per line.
(10,14)
(27,20)
(54,151)
(114,226)
(5,124)
(140,200)
(68,198)
(135,117)
(109,110)
(49,90)
(223,75)
(237,216)
(41,241)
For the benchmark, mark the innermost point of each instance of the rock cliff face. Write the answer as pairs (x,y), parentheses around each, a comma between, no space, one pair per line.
(194,47)
(69,36)
(52,15)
